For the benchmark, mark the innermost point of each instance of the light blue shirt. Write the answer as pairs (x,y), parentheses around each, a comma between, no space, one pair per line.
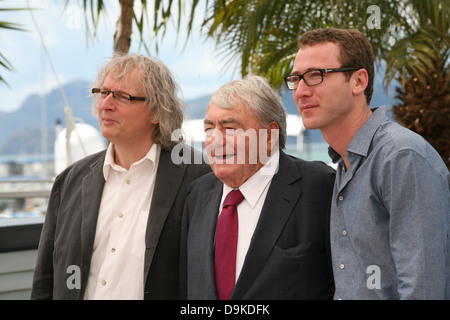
(390,216)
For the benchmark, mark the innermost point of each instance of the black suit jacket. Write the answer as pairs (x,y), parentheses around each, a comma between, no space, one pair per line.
(69,229)
(289,254)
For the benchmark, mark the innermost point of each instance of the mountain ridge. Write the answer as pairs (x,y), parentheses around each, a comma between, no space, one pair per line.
(22,129)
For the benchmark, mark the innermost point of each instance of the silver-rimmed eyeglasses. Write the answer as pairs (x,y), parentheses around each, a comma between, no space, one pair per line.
(119,97)
(311,77)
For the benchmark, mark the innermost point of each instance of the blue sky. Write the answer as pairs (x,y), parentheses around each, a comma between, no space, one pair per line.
(198,67)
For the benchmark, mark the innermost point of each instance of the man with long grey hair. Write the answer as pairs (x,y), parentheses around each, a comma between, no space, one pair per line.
(112,228)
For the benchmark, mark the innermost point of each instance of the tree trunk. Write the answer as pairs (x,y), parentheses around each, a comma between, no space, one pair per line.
(122,38)
(425,109)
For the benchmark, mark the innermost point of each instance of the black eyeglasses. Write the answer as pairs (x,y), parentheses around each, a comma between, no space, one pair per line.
(311,77)
(119,97)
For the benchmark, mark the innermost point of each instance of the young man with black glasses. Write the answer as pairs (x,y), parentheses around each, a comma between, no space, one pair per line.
(391,200)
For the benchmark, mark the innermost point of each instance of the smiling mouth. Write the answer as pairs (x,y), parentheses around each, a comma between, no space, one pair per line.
(224,156)
(223,159)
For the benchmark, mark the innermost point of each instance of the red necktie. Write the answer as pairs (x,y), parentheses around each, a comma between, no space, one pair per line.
(226,244)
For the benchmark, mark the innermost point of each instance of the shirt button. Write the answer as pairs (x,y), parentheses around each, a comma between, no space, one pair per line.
(128,181)
(121,215)
(342,266)
(113,250)
(341,198)
(103,282)
(344,232)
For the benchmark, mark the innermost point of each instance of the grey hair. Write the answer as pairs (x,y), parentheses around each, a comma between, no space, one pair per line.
(255,93)
(159,87)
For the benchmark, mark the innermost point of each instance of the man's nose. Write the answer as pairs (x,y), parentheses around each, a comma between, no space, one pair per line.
(216,138)
(302,90)
(108,102)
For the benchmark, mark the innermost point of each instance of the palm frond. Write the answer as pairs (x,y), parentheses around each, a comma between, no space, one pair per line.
(260,32)
(418,54)
(4,63)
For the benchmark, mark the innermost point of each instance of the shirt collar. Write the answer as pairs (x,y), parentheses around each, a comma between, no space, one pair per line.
(360,143)
(253,188)
(152,156)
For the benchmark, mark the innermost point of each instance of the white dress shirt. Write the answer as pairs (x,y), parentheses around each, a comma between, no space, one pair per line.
(255,192)
(117,264)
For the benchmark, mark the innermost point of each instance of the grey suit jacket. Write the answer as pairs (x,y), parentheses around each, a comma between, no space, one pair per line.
(69,229)
(289,254)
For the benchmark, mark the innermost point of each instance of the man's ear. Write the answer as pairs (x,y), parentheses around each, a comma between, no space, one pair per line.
(152,117)
(272,136)
(360,80)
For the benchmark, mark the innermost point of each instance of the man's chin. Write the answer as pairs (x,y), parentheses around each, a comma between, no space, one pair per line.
(225,172)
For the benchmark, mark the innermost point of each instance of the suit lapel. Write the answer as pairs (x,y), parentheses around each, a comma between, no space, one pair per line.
(168,180)
(281,198)
(210,210)
(91,195)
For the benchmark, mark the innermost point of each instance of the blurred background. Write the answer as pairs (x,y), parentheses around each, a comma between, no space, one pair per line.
(51,50)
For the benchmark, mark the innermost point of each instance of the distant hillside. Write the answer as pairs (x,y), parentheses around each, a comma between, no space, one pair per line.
(21,130)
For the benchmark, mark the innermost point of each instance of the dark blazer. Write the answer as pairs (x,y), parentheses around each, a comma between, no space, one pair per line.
(289,254)
(69,229)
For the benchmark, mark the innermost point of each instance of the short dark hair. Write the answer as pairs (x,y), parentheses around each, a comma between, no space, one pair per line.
(355,50)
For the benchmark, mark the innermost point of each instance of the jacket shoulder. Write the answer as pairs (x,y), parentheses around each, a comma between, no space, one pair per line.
(317,167)
(83,165)
(204,183)
(189,158)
